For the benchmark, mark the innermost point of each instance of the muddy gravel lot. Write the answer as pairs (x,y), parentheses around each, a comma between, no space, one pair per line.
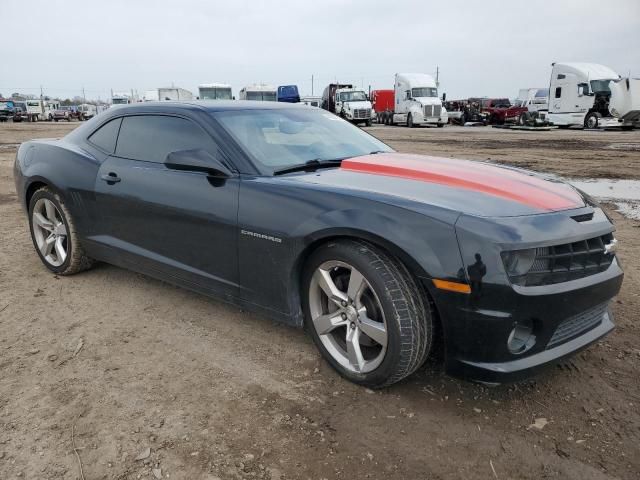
(137,379)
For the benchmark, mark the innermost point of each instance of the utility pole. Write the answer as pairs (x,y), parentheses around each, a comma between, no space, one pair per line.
(84,97)
(437,76)
(312,84)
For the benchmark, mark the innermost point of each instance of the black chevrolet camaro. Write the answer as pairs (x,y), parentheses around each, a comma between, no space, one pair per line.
(291,211)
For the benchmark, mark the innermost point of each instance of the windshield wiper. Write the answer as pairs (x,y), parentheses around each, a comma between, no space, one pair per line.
(309,166)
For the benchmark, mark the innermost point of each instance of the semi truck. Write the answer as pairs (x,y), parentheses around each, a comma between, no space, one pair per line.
(382,101)
(259,92)
(214,91)
(580,94)
(416,102)
(348,102)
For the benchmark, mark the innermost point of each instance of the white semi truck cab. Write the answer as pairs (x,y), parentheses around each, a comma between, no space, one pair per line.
(579,95)
(353,105)
(417,101)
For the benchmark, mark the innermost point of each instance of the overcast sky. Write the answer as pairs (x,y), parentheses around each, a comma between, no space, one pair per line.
(483,48)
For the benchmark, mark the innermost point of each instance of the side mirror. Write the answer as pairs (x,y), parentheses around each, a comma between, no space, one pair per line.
(197,160)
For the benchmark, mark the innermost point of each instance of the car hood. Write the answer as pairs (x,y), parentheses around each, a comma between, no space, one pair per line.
(358,104)
(473,188)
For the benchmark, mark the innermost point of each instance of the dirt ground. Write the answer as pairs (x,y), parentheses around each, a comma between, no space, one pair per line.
(109,366)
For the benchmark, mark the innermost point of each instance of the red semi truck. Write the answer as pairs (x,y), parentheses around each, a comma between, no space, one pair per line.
(382,101)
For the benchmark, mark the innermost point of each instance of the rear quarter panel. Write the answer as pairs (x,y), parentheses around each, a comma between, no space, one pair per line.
(66,168)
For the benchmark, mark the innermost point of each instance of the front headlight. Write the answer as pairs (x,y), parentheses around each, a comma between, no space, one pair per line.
(518,262)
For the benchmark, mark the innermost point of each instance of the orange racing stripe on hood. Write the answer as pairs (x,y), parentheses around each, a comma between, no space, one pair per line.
(476,176)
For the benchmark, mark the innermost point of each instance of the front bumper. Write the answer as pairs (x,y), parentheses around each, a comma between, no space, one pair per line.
(519,369)
(476,338)
(479,327)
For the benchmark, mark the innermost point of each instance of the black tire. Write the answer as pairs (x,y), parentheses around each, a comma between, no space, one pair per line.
(76,260)
(55,119)
(592,120)
(368,123)
(440,125)
(404,303)
(410,121)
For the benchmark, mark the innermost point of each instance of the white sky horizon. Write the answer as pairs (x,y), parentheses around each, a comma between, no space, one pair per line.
(484,48)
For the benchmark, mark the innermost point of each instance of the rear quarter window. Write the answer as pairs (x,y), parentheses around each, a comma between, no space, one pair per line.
(105,137)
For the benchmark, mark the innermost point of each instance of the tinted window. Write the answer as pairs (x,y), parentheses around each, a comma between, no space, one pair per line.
(153,137)
(105,137)
(558,92)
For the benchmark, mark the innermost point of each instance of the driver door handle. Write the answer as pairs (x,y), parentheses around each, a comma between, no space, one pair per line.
(111,177)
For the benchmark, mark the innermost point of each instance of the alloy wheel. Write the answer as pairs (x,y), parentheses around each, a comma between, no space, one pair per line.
(50,232)
(347,316)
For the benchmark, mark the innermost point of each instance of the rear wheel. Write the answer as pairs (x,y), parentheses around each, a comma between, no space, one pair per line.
(54,234)
(365,313)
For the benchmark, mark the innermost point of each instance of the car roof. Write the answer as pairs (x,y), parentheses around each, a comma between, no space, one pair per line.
(208,105)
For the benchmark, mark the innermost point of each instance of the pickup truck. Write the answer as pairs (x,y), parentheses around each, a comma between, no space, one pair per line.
(65,113)
(6,110)
(501,111)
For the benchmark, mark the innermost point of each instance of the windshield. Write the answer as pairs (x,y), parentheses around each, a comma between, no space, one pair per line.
(215,93)
(424,92)
(282,138)
(353,97)
(600,86)
(264,96)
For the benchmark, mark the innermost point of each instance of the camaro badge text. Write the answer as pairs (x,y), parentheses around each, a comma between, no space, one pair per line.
(261,235)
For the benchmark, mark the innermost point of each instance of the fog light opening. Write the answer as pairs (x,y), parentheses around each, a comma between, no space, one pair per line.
(521,338)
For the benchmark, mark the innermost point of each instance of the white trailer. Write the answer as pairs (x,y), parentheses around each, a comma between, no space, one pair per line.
(417,101)
(580,94)
(261,92)
(214,91)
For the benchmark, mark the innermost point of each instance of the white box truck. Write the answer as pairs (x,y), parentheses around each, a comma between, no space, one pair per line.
(579,95)
(214,91)
(416,101)
(260,92)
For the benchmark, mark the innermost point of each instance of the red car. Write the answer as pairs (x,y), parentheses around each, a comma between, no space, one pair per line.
(500,110)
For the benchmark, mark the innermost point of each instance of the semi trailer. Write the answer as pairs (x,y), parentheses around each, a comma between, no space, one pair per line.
(214,91)
(259,92)
(382,102)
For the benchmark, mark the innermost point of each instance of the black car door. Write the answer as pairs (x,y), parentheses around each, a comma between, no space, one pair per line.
(174,224)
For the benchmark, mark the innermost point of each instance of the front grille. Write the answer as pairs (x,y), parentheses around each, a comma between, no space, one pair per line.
(362,113)
(569,261)
(578,324)
(432,110)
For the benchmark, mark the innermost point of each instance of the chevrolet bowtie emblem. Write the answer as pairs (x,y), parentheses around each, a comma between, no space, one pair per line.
(611,247)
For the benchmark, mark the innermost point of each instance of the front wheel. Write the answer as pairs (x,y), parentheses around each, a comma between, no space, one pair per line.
(409,121)
(365,313)
(592,120)
(54,234)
